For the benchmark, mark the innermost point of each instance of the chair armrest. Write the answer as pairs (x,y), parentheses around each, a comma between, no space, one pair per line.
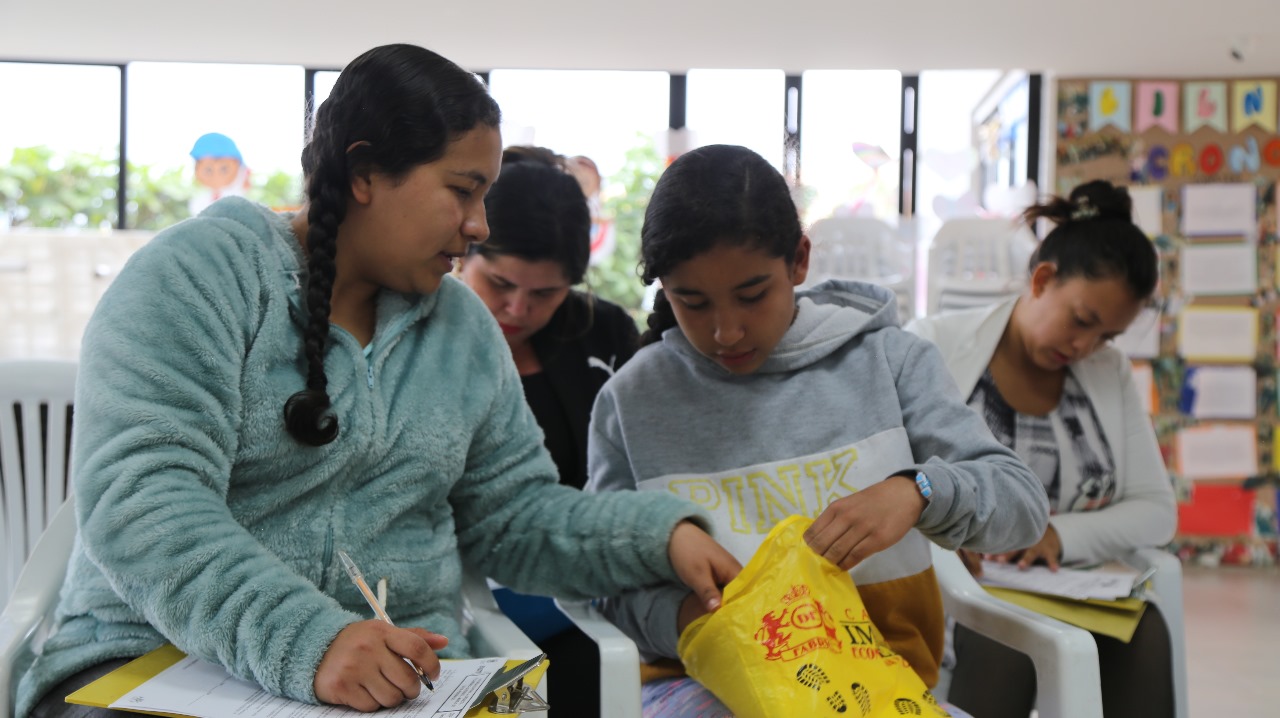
(619,660)
(1166,594)
(491,633)
(1068,682)
(29,612)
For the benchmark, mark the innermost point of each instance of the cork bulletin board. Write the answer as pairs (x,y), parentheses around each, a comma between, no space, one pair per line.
(1202,160)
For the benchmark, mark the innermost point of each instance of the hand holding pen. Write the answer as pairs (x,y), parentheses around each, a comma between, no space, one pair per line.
(358,579)
(373,664)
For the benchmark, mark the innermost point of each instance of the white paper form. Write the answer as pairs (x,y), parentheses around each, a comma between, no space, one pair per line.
(1148,209)
(1210,269)
(1218,451)
(1220,210)
(1107,583)
(197,688)
(1142,339)
(1223,392)
(1220,334)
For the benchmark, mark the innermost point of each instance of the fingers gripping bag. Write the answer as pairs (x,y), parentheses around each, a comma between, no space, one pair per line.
(792,638)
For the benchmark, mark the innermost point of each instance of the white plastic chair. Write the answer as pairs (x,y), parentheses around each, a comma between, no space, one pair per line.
(35,401)
(1068,682)
(1166,594)
(863,249)
(28,617)
(619,660)
(976,261)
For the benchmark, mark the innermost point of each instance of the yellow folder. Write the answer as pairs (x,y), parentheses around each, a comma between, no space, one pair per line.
(109,688)
(1118,618)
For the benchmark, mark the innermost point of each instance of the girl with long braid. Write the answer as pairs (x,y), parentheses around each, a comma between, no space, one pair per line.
(261,391)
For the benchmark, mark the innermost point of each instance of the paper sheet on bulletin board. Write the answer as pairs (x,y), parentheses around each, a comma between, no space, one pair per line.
(1216,510)
(1227,451)
(1218,334)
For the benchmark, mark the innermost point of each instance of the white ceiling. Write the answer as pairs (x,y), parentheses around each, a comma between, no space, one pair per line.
(1080,37)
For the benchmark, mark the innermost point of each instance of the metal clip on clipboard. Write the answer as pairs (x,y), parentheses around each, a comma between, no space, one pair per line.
(510,694)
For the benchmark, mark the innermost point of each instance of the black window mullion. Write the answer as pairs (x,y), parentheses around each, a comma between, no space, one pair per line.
(909,147)
(122,179)
(793,87)
(1034,95)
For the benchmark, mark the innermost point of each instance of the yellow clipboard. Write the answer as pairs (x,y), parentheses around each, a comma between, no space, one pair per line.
(111,687)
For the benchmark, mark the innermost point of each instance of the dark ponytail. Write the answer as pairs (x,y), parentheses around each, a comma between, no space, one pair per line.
(717,194)
(392,109)
(1096,238)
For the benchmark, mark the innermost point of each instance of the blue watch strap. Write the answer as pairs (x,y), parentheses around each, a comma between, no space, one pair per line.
(922,483)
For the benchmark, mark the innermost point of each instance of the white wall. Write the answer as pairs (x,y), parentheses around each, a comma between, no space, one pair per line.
(1182,37)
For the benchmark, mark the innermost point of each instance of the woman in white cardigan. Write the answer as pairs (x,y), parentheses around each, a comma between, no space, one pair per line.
(1041,371)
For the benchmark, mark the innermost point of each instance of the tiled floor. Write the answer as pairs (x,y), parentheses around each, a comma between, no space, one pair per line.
(1233,641)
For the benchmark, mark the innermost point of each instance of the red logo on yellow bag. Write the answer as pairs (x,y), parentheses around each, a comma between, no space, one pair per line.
(801,627)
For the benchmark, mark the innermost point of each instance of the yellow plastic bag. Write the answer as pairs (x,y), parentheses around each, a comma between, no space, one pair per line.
(793,638)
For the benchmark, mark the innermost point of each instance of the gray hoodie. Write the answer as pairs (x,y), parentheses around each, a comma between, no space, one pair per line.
(846,399)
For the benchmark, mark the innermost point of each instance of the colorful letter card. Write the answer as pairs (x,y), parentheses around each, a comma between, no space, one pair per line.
(1204,104)
(1110,103)
(1157,106)
(1253,102)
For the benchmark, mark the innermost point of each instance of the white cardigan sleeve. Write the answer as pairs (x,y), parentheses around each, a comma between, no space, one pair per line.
(1143,513)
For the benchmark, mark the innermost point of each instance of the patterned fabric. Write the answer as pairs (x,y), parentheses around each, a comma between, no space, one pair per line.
(686,698)
(1097,486)
(1030,437)
(680,698)
(1035,440)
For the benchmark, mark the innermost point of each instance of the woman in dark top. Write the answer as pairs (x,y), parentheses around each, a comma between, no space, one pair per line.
(565,344)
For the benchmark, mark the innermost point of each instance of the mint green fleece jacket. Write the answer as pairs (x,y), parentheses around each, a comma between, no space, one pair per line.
(201,522)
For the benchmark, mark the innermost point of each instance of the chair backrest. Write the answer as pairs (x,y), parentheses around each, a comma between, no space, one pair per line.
(36,396)
(975,261)
(864,249)
(28,616)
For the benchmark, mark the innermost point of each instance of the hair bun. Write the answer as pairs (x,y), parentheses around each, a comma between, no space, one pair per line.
(1100,199)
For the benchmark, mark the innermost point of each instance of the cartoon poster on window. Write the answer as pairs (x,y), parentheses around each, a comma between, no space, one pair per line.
(1110,103)
(220,171)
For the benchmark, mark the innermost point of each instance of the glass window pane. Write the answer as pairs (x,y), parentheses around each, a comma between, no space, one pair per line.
(59,151)
(582,112)
(243,122)
(324,81)
(613,118)
(738,107)
(947,179)
(850,142)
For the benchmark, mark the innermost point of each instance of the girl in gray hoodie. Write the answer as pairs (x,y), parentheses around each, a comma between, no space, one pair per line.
(756,402)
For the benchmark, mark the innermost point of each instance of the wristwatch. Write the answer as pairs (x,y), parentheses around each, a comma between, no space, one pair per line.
(926,488)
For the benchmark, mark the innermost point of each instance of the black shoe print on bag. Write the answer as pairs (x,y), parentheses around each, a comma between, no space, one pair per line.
(836,701)
(863,698)
(907,707)
(812,676)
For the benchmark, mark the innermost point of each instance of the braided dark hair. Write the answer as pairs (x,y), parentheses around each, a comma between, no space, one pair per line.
(392,109)
(717,194)
(1096,238)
